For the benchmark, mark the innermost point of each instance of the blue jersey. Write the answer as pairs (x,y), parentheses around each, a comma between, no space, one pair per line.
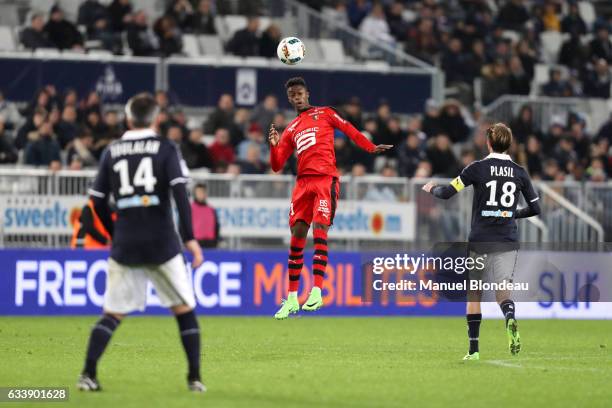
(140,171)
(498,183)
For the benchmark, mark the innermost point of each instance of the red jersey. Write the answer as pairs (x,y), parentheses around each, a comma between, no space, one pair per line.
(311,134)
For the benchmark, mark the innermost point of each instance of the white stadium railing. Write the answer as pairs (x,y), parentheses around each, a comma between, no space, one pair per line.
(572,212)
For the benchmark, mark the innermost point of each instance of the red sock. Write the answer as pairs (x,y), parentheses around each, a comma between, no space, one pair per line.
(319,258)
(296,262)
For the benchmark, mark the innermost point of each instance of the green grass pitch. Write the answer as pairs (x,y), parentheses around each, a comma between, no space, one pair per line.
(317,362)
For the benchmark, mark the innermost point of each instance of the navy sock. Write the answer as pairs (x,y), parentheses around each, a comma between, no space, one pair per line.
(190,337)
(507,308)
(98,340)
(473,321)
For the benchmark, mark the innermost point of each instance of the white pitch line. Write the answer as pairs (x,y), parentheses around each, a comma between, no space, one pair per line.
(503,363)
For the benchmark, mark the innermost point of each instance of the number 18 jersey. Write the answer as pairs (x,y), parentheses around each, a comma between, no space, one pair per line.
(139,171)
(498,183)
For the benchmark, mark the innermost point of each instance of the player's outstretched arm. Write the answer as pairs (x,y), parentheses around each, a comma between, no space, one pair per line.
(443,192)
(356,136)
(280,149)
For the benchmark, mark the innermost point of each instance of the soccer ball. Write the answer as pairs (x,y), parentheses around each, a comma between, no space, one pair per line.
(291,50)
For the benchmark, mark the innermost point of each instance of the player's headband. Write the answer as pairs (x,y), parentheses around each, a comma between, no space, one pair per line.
(130,116)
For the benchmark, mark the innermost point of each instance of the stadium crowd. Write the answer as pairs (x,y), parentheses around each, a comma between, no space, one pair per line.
(498,42)
(64,130)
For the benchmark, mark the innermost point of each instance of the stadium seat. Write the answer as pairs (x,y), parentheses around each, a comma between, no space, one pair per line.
(46,52)
(100,53)
(7,41)
(42,5)
(9,15)
(511,35)
(211,45)
(287,25)
(551,45)
(313,50)
(587,12)
(332,50)
(221,28)
(71,8)
(191,47)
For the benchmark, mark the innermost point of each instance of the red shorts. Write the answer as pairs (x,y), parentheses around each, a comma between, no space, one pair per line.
(314,199)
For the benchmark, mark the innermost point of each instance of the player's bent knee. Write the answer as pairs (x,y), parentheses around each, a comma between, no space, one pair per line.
(117,316)
(181,309)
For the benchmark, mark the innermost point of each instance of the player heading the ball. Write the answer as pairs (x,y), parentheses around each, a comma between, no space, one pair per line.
(315,196)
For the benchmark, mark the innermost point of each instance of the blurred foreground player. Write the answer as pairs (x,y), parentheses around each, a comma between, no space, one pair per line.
(498,183)
(314,198)
(140,170)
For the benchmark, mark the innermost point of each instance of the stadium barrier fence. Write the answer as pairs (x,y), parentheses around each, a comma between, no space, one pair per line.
(39,207)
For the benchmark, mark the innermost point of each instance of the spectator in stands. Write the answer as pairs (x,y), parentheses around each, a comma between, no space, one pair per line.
(91,103)
(8,152)
(35,36)
(27,131)
(222,116)
(495,82)
(352,112)
(556,86)
(255,136)
(67,128)
(423,40)
(203,20)
(453,123)
(598,81)
(90,11)
(70,98)
(101,31)
(375,26)
(240,126)
(395,134)
(252,162)
(141,40)
(343,151)
(114,128)
(120,12)
(555,133)
(269,41)
(606,130)
(398,27)
(195,152)
(358,10)
(9,115)
(513,15)
(601,46)
(572,23)
(82,150)
(205,222)
(431,124)
(474,61)
(175,134)
(169,36)
(534,157)
(454,62)
(573,53)
(264,112)
(62,33)
(221,150)
(550,18)
(336,14)
(162,99)
(96,126)
(552,171)
(410,154)
(381,192)
(523,125)
(245,42)
(181,12)
(43,149)
(518,81)
(443,160)
(528,56)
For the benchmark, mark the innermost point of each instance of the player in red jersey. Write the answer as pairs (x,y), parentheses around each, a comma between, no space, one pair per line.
(314,199)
